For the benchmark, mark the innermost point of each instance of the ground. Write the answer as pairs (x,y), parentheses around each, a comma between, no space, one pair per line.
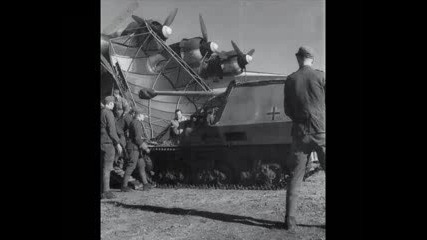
(213,214)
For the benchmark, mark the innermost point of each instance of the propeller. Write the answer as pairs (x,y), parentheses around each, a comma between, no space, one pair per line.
(138,19)
(203,28)
(242,59)
(163,30)
(205,45)
(111,30)
(136,27)
(170,18)
(206,48)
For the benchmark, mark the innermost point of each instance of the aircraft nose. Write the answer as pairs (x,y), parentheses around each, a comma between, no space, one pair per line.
(248,58)
(166,31)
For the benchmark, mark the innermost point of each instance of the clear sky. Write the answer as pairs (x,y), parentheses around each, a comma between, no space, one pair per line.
(274,28)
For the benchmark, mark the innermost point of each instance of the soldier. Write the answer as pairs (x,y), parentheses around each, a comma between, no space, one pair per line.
(136,148)
(123,120)
(120,103)
(210,118)
(109,139)
(177,122)
(305,105)
(177,126)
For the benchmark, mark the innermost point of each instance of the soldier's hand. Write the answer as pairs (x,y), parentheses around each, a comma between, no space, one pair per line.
(119,148)
(175,123)
(148,150)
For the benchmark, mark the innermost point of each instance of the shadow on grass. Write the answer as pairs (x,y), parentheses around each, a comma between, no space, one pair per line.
(224,217)
(317,226)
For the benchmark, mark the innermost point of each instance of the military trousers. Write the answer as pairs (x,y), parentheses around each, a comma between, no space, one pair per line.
(301,148)
(135,160)
(107,160)
(124,154)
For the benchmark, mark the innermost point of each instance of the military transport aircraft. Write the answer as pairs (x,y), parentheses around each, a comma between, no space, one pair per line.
(161,78)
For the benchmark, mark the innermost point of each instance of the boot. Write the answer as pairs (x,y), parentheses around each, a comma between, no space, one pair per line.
(126,177)
(147,187)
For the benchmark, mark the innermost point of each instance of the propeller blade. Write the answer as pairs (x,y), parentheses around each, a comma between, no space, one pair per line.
(138,19)
(112,27)
(241,58)
(236,49)
(251,52)
(203,27)
(171,17)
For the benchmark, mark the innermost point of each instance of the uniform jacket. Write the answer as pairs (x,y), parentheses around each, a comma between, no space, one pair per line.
(121,104)
(137,137)
(122,126)
(178,124)
(108,127)
(305,101)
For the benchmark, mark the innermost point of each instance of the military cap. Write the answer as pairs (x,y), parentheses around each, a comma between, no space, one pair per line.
(108,99)
(305,51)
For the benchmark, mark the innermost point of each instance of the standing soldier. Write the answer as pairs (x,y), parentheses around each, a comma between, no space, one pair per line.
(109,139)
(136,148)
(123,120)
(305,105)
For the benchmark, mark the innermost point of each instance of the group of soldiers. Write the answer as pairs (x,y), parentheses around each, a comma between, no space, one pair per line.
(304,103)
(123,138)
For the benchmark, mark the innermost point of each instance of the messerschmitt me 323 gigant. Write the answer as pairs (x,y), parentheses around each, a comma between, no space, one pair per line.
(247,139)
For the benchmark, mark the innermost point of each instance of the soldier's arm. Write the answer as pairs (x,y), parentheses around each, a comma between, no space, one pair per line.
(111,128)
(287,102)
(144,146)
(175,125)
(126,106)
(321,79)
(128,121)
(139,136)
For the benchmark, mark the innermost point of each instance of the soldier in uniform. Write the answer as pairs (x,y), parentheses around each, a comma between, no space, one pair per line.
(177,126)
(177,122)
(136,148)
(123,120)
(109,140)
(305,105)
(120,103)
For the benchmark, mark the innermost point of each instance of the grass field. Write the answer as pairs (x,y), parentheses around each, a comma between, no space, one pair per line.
(213,214)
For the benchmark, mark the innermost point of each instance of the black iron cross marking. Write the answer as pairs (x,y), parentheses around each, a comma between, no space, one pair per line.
(273,113)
